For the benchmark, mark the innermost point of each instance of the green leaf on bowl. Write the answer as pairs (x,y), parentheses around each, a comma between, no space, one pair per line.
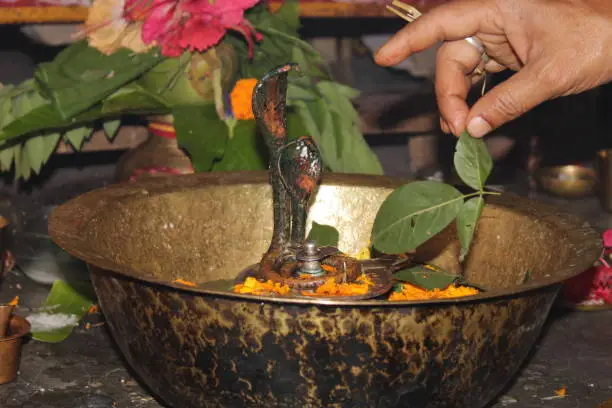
(324,235)
(467,220)
(65,298)
(427,277)
(414,213)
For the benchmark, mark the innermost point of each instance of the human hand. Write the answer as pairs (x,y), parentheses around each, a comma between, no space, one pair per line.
(557,47)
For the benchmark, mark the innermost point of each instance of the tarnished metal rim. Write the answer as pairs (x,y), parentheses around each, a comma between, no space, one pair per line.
(68,219)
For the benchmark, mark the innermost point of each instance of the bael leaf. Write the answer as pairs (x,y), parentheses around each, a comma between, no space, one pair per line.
(414,213)
(467,220)
(324,235)
(111,127)
(200,131)
(65,299)
(244,151)
(473,162)
(426,277)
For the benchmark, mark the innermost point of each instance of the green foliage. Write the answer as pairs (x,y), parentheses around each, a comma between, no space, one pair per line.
(467,220)
(427,277)
(205,143)
(324,235)
(415,212)
(65,299)
(472,160)
(245,150)
(81,76)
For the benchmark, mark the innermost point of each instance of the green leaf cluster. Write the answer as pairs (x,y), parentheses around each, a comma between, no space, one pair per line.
(415,212)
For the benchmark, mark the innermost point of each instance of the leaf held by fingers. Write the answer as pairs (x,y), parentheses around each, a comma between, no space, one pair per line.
(473,162)
(414,213)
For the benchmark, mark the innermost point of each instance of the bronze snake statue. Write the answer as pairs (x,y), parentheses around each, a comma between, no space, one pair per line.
(295,170)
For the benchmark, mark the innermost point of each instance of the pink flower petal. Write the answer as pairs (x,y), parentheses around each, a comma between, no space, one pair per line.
(157,23)
(200,36)
(607,238)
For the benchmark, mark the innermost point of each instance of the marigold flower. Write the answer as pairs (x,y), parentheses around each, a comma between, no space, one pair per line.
(254,287)
(361,286)
(241,99)
(411,292)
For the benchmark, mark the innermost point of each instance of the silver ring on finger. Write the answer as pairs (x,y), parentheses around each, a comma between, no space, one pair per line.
(476,43)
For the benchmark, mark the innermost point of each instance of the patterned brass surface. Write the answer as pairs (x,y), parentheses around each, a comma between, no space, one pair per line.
(200,348)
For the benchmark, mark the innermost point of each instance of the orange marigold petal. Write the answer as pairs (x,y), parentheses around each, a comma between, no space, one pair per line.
(411,292)
(241,99)
(184,282)
(254,287)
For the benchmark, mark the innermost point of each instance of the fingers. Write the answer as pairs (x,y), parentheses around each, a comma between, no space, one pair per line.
(510,99)
(448,22)
(444,126)
(455,61)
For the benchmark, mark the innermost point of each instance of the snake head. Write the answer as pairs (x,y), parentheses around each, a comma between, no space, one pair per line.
(301,167)
(269,105)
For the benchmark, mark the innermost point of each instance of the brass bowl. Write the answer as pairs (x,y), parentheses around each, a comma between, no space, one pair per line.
(204,348)
(568,181)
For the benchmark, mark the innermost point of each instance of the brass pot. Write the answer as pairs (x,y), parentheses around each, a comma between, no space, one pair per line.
(10,346)
(195,347)
(159,155)
(569,181)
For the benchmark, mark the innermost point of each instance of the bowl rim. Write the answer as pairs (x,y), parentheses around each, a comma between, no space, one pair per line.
(68,219)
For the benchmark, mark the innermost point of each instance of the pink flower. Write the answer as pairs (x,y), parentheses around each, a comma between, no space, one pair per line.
(194,25)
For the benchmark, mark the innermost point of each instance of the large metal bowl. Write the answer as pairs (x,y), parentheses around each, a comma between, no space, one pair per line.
(201,348)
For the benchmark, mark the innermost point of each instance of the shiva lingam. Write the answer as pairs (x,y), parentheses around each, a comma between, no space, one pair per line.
(295,172)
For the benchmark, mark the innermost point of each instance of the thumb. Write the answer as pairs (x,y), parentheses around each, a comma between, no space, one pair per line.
(512,98)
